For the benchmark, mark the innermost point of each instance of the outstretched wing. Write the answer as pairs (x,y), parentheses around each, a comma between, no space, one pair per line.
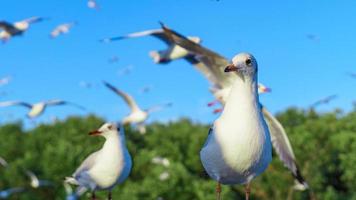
(58,102)
(213,61)
(158,33)
(6,26)
(15,103)
(33,20)
(127,98)
(283,147)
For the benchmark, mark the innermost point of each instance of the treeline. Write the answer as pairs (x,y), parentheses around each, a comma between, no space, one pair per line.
(324,144)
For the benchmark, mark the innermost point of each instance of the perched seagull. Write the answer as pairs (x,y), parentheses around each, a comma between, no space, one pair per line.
(5,194)
(165,56)
(105,168)
(35,182)
(3,162)
(325,100)
(17,28)
(239,146)
(137,116)
(62,29)
(93,4)
(5,80)
(221,89)
(38,108)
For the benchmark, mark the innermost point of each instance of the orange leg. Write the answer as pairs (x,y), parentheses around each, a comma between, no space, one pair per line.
(247,191)
(218,191)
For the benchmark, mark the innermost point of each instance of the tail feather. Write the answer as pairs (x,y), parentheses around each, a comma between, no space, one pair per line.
(300,183)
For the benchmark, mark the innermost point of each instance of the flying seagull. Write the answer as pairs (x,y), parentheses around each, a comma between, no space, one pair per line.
(35,182)
(18,28)
(3,162)
(62,29)
(221,90)
(324,100)
(107,167)
(37,109)
(93,4)
(173,51)
(5,194)
(5,80)
(137,115)
(239,146)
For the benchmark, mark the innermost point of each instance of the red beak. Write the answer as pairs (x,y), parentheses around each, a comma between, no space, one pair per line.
(96,132)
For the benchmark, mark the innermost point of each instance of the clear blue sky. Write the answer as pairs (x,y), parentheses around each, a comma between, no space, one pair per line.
(298,69)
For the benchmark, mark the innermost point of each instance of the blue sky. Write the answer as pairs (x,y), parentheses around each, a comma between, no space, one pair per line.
(299,70)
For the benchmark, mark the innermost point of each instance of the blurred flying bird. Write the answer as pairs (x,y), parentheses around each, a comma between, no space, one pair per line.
(126,70)
(85,84)
(145,89)
(113,59)
(165,56)
(93,4)
(3,162)
(5,80)
(158,160)
(222,84)
(352,75)
(239,146)
(313,37)
(324,100)
(18,28)
(5,194)
(137,115)
(35,182)
(37,109)
(62,29)
(107,167)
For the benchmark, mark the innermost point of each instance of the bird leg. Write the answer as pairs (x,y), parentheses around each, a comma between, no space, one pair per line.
(218,191)
(247,191)
(93,197)
(109,196)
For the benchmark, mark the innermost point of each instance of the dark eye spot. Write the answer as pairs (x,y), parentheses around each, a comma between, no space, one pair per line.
(248,61)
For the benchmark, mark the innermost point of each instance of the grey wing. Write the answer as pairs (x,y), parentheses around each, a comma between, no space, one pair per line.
(282,146)
(212,60)
(6,26)
(86,164)
(210,133)
(58,102)
(15,103)
(33,20)
(128,99)
(158,33)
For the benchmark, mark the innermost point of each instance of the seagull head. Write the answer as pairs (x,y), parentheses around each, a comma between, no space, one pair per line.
(106,130)
(244,64)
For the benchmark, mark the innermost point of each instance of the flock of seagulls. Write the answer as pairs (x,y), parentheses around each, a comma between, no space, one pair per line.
(239,143)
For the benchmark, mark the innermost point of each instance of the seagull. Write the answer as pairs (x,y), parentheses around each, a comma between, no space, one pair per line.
(3,162)
(137,116)
(5,194)
(35,182)
(161,57)
(113,59)
(93,4)
(239,146)
(352,75)
(324,100)
(145,89)
(37,109)
(221,89)
(17,28)
(105,168)
(5,80)
(62,29)
(313,37)
(85,84)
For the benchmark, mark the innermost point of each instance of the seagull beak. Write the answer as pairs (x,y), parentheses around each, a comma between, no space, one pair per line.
(96,132)
(231,68)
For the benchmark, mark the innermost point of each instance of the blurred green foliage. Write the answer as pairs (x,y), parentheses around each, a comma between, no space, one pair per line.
(324,144)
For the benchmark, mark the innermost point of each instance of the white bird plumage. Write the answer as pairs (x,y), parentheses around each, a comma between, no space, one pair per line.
(37,109)
(62,29)
(105,168)
(17,28)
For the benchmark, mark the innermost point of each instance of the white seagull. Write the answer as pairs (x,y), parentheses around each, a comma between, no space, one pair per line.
(17,28)
(37,109)
(5,194)
(137,115)
(5,80)
(239,146)
(35,182)
(3,162)
(93,4)
(223,83)
(165,56)
(105,168)
(62,29)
